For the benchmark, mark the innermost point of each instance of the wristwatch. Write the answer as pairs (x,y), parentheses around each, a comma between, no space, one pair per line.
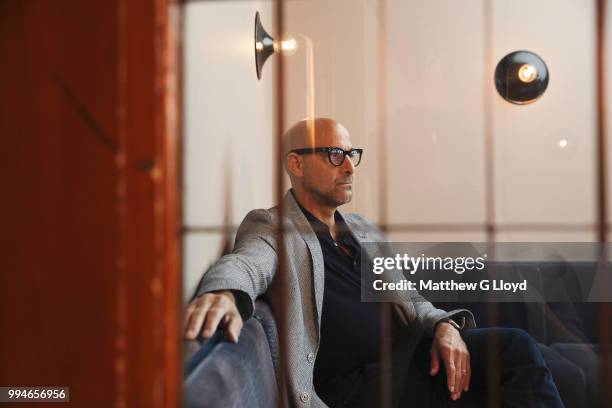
(458,326)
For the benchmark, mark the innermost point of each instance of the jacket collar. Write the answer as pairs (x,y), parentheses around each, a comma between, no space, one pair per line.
(293,212)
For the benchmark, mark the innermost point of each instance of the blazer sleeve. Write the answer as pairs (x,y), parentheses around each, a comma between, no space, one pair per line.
(428,315)
(250,267)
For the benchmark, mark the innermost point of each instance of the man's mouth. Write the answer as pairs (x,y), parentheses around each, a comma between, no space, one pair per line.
(346,181)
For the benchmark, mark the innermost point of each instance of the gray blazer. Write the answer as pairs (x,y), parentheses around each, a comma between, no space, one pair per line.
(250,270)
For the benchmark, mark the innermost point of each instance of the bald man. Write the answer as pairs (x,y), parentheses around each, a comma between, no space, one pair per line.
(333,338)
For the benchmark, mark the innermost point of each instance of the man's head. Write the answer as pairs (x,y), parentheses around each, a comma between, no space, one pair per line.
(316,173)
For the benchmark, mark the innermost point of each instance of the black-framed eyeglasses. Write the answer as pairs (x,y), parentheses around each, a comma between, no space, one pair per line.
(335,155)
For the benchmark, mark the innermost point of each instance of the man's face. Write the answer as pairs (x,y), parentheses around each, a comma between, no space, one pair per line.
(328,184)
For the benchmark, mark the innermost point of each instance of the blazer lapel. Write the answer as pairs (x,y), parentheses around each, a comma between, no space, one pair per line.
(358,232)
(295,214)
(356,229)
(404,307)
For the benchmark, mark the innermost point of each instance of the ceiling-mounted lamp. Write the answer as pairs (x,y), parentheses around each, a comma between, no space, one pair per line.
(266,45)
(521,77)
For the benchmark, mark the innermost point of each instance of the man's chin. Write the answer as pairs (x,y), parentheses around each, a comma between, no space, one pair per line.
(336,197)
(345,197)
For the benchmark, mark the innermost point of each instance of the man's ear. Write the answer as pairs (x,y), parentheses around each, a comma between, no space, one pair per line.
(295,165)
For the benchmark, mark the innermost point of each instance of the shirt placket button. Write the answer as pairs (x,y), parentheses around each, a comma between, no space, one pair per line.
(311,357)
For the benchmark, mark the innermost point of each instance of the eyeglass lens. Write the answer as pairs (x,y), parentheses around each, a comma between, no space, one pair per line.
(336,156)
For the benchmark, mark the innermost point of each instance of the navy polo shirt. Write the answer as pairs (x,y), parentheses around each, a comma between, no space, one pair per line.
(349,328)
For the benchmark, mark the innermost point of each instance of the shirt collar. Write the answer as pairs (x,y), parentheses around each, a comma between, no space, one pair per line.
(319,227)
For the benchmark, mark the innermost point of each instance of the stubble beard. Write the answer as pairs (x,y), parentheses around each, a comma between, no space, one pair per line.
(332,198)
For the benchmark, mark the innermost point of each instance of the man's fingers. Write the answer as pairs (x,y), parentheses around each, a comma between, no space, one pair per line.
(468,374)
(210,310)
(450,373)
(196,320)
(463,371)
(435,360)
(213,318)
(233,323)
(186,322)
(459,377)
(456,358)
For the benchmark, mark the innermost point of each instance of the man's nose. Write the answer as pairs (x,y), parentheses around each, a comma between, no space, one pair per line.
(347,166)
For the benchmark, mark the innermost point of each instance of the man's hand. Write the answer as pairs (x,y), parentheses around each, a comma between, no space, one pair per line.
(210,310)
(449,346)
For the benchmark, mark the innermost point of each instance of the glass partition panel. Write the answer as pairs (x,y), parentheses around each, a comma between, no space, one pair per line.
(479,122)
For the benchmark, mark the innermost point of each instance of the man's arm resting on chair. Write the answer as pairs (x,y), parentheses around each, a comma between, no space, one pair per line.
(229,288)
(211,310)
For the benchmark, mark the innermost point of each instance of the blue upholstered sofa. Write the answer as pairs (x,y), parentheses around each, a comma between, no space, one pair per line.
(222,374)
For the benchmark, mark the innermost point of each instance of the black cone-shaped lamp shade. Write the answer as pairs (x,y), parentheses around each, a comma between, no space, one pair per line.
(264,45)
(521,77)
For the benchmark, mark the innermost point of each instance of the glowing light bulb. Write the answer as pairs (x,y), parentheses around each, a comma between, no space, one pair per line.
(527,73)
(287,46)
(562,143)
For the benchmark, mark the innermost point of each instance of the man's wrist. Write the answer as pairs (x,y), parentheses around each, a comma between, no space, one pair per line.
(457,326)
(226,292)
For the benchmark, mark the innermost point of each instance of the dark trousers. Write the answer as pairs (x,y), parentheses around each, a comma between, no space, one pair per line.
(522,378)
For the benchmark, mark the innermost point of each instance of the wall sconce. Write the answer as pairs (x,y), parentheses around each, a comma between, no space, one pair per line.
(521,77)
(265,46)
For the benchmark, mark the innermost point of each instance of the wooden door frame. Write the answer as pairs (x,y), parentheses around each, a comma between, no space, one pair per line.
(149,112)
